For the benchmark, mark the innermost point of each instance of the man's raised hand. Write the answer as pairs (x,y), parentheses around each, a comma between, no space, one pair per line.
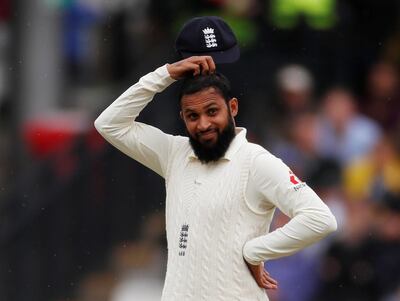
(193,65)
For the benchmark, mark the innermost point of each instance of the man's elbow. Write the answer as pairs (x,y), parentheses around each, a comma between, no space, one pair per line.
(330,224)
(99,125)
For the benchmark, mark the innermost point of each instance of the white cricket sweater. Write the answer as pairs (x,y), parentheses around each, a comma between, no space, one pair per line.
(217,214)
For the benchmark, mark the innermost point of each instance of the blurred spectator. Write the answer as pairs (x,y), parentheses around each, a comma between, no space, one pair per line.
(386,245)
(363,264)
(296,87)
(299,149)
(345,134)
(394,296)
(138,270)
(391,51)
(96,287)
(376,173)
(294,95)
(140,266)
(347,272)
(382,99)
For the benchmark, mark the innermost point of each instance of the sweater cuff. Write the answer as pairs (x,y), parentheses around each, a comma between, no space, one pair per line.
(248,251)
(156,81)
(164,75)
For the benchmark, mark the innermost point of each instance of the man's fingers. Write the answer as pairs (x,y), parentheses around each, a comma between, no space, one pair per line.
(206,62)
(269,278)
(262,277)
(194,65)
(268,285)
(195,68)
(265,284)
(204,67)
(267,281)
(211,64)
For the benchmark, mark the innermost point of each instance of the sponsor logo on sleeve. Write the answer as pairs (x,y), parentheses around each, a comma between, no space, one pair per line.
(297,183)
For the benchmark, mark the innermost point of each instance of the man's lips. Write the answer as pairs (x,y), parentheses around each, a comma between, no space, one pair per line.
(207,134)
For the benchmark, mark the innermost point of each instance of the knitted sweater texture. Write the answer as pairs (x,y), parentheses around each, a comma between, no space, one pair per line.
(208,222)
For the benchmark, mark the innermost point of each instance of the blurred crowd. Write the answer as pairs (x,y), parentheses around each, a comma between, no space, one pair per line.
(318,84)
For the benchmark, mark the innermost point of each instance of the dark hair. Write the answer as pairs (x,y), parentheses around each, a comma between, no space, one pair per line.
(198,83)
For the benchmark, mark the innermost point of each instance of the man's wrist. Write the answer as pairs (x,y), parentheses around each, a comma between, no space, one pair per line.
(171,71)
(159,78)
(247,251)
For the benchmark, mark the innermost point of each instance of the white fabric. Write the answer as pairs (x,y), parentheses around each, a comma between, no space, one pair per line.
(268,184)
(208,222)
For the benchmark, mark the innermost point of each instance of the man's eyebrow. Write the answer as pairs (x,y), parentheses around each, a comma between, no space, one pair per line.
(189,110)
(211,104)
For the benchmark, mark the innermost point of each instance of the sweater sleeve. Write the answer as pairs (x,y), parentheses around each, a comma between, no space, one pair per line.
(144,143)
(311,219)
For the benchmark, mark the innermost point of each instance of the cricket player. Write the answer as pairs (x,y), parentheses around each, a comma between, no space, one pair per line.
(221,190)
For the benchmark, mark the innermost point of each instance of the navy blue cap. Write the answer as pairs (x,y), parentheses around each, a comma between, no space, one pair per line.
(209,35)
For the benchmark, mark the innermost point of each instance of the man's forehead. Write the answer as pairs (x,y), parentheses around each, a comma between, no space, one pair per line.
(202,98)
(205,91)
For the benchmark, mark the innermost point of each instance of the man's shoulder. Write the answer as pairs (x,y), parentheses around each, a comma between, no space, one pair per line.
(261,156)
(181,144)
(256,149)
(180,139)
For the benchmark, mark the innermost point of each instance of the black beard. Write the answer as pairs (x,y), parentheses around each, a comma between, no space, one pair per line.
(213,153)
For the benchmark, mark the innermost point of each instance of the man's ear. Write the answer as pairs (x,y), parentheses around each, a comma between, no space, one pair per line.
(181,114)
(233,105)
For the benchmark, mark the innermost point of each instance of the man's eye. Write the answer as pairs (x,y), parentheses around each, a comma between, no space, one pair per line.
(212,111)
(192,116)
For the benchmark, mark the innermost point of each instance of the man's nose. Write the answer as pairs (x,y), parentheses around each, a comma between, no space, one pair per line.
(203,124)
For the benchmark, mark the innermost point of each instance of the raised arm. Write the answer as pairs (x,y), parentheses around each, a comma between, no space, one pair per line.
(144,143)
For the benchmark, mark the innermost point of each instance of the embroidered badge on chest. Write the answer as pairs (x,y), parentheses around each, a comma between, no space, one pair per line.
(183,239)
